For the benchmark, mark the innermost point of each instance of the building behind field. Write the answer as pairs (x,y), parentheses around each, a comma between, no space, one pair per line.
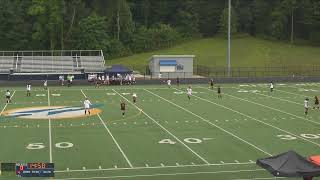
(171,66)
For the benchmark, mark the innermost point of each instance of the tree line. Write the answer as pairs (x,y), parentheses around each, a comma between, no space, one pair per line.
(124,27)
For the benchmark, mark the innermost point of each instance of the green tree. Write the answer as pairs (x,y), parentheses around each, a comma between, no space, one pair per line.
(224,21)
(187,19)
(49,21)
(92,33)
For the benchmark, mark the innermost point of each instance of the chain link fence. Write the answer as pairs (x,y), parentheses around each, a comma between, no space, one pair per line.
(246,72)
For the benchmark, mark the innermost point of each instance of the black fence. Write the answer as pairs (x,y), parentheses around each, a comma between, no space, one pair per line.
(280,71)
(277,71)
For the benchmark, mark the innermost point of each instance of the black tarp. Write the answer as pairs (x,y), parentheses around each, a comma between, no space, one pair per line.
(289,164)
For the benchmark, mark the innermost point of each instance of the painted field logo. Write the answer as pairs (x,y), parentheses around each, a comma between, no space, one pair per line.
(52,112)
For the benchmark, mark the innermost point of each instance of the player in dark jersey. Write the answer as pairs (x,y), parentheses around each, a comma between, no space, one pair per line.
(123,108)
(219,92)
(211,84)
(178,82)
(316,103)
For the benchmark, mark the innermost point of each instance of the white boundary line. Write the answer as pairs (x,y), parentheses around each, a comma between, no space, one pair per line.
(257,119)
(50,134)
(5,106)
(166,174)
(163,128)
(114,140)
(212,124)
(153,167)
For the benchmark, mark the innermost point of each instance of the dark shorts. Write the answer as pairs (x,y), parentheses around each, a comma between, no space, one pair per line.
(8,97)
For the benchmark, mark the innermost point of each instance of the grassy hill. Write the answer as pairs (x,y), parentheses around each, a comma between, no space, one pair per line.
(246,52)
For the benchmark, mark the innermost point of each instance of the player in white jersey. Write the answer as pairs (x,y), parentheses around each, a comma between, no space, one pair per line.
(306,106)
(45,84)
(28,89)
(169,83)
(87,105)
(189,92)
(271,86)
(134,97)
(8,96)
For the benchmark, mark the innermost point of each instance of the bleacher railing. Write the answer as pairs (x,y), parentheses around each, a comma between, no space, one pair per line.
(11,60)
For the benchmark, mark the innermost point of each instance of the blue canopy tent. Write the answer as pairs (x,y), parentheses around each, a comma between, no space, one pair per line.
(118,69)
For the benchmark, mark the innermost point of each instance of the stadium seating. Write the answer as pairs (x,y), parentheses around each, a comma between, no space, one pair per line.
(51,63)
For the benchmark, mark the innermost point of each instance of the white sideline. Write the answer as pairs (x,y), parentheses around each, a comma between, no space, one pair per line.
(167,174)
(209,122)
(257,119)
(163,128)
(50,134)
(152,167)
(5,106)
(114,140)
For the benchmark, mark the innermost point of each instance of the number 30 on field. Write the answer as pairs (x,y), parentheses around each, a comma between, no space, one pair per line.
(61,145)
(291,137)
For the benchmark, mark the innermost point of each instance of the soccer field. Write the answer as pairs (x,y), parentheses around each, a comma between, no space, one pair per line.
(164,135)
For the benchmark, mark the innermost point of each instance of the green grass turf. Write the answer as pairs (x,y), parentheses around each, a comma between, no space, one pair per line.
(246,52)
(211,138)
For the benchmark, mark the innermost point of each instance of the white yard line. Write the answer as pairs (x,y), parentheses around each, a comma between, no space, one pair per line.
(114,140)
(293,102)
(274,178)
(153,167)
(257,119)
(50,134)
(5,106)
(163,128)
(290,92)
(212,124)
(284,112)
(166,174)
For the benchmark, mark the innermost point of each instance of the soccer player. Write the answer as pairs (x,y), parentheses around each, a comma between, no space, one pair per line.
(45,84)
(316,103)
(134,97)
(61,79)
(123,107)
(178,82)
(28,89)
(69,80)
(219,92)
(271,86)
(8,96)
(169,83)
(87,105)
(189,92)
(211,84)
(306,106)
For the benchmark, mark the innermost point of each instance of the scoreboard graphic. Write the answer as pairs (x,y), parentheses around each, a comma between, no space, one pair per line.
(37,169)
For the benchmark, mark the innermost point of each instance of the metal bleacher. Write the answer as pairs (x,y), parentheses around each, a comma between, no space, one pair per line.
(52,62)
